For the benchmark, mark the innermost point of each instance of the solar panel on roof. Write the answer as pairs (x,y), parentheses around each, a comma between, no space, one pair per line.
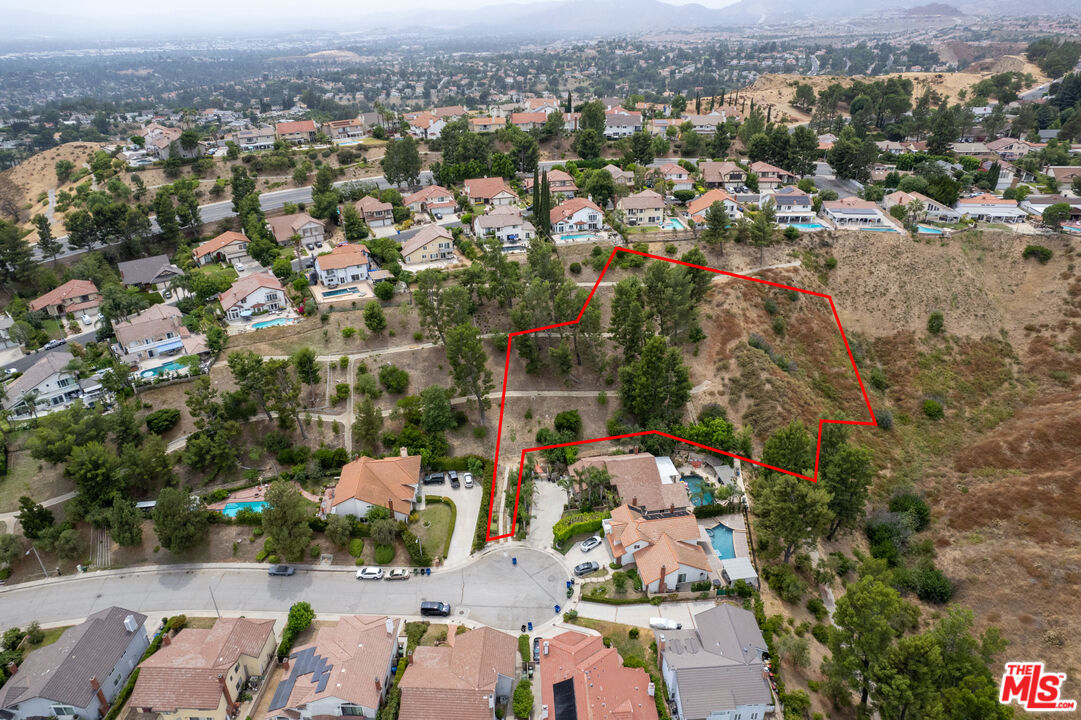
(563,699)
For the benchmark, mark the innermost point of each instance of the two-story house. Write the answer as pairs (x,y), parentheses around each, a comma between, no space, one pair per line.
(528,120)
(620,123)
(253,294)
(284,227)
(771,177)
(725,175)
(435,200)
(297,132)
(259,138)
(487,124)
(344,130)
(229,247)
(156,332)
(375,212)
(680,177)
(505,223)
(152,273)
(75,297)
(560,184)
(792,205)
(47,386)
(582,679)
(643,208)
(620,177)
(576,215)
(698,207)
(432,243)
(344,264)
(490,191)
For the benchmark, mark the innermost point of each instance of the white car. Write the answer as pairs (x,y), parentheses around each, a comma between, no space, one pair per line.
(467,480)
(239,267)
(398,574)
(370,573)
(590,543)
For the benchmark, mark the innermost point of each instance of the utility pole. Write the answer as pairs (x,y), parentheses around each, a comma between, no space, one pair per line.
(39,560)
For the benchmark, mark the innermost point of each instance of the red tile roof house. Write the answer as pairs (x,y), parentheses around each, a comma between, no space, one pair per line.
(366,482)
(679,176)
(229,247)
(697,208)
(643,208)
(576,215)
(559,183)
(725,175)
(435,200)
(201,673)
(344,264)
(933,210)
(252,295)
(343,672)
(581,679)
(465,679)
(528,120)
(285,227)
(666,546)
(375,212)
(771,177)
(74,296)
(299,132)
(992,208)
(490,191)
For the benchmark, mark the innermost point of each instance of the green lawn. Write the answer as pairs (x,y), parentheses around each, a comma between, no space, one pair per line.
(214,270)
(51,636)
(433,537)
(53,327)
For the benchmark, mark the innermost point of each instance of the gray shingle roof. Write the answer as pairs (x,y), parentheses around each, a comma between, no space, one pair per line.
(146,270)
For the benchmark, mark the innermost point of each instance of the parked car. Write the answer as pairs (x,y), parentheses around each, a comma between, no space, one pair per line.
(590,543)
(283,570)
(167,294)
(536,649)
(398,574)
(440,609)
(87,320)
(319,243)
(310,246)
(434,479)
(370,573)
(586,568)
(239,267)
(659,623)
(454,482)
(467,479)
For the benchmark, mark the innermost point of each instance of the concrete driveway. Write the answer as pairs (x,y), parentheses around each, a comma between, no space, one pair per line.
(467,503)
(490,590)
(548,502)
(640,614)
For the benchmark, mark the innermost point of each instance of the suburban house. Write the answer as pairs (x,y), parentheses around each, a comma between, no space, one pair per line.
(1010,149)
(489,191)
(726,175)
(646,482)
(487,124)
(450,112)
(464,679)
(792,205)
(432,243)
(344,130)
(505,223)
(576,215)
(581,679)
(560,183)
(230,246)
(284,227)
(771,177)
(697,208)
(620,177)
(991,208)
(933,210)
(253,294)
(528,120)
(375,212)
(73,297)
(259,138)
(971,149)
(643,208)
(705,124)
(344,671)
(46,386)
(391,482)
(159,142)
(571,120)
(80,674)
(1036,204)
(201,673)
(715,670)
(620,123)
(679,176)
(851,211)
(152,273)
(344,264)
(298,132)
(435,200)
(1063,174)
(156,332)
(665,545)
(424,125)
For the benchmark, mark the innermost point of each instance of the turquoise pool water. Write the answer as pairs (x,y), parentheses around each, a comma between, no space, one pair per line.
(231,509)
(696,484)
(928,230)
(673,224)
(271,323)
(877,229)
(342,291)
(167,367)
(805,227)
(720,535)
(576,236)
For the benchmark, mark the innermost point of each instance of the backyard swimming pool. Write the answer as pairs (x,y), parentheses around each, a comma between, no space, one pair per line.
(720,535)
(167,367)
(341,291)
(928,230)
(272,323)
(231,509)
(878,229)
(807,227)
(673,224)
(698,490)
(576,236)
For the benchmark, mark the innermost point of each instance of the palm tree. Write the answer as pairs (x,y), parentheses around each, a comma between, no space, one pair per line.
(30,397)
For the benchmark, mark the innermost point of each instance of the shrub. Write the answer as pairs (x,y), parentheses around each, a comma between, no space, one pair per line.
(394,379)
(817,608)
(701,585)
(917,509)
(300,619)
(161,421)
(831,262)
(384,554)
(933,586)
(936,323)
(567,527)
(575,268)
(356,547)
(779,325)
(633,633)
(885,419)
(523,648)
(523,699)
(384,290)
(933,409)
(784,581)
(791,233)
(821,633)
(1039,252)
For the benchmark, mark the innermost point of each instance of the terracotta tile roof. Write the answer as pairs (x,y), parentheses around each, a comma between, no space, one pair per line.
(629,526)
(184,674)
(285,226)
(425,235)
(427,193)
(580,669)
(453,682)
(987,199)
(369,205)
(298,126)
(215,244)
(668,554)
(449,111)
(343,256)
(376,482)
(528,117)
(486,188)
(851,202)
(70,289)
(764,168)
(638,480)
(673,169)
(567,208)
(246,285)
(703,202)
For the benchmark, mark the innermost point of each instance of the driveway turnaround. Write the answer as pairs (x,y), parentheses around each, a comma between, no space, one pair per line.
(491,590)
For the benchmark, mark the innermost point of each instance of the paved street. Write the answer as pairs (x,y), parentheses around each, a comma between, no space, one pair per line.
(489,590)
(22,363)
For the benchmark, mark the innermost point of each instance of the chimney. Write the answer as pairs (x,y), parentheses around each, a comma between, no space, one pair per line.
(225,690)
(378,686)
(403,452)
(12,668)
(390,626)
(103,704)
(661,586)
(660,643)
(166,639)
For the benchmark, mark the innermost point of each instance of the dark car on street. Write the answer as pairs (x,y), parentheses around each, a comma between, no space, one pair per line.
(283,570)
(435,479)
(586,568)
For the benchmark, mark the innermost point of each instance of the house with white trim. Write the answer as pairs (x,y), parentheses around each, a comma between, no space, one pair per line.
(680,177)
(991,208)
(229,247)
(791,204)
(284,227)
(851,212)
(505,223)
(576,215)
(432,243)
(642,208)
(156,332)
(375,212)
(435,200)
(389,482)
(771,177)
(47,386)
(620,123)
(346,263)
(933,210)
(253,295)
(489,191)
(698,207)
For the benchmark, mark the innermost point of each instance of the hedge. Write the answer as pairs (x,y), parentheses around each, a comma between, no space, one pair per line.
(453,519)
(579,523)
(605,600)
(523,647)
(715,509)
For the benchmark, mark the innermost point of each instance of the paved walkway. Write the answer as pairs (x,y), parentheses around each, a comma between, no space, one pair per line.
(639,614)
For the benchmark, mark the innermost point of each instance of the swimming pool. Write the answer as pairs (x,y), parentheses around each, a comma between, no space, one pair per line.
(673,224)
(576,236)
(231,509)
(341,291)
(928,230)
(698,490)
(807,227)
(877,229)
(167,367)
(720,535)
(272,323)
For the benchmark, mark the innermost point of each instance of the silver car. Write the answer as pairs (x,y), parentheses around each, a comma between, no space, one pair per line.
(590,543)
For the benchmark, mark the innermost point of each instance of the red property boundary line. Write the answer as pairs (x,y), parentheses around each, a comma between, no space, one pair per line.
(506,369)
